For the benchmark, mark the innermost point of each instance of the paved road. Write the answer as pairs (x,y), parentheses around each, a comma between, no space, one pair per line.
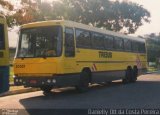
(145,93)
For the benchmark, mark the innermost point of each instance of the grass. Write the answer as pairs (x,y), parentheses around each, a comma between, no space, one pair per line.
(152,69)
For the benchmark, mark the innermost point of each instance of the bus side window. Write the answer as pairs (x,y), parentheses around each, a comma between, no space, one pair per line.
(2,39)
(83,39)
(118,43)
(141,48)
(108,41)
(97,41)
(69,43)
(127,45)
(134,46)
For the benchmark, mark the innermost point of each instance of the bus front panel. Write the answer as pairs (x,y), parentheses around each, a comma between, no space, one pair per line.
(38,54)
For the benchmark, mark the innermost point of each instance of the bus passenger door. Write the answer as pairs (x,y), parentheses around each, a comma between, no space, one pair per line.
(69,61)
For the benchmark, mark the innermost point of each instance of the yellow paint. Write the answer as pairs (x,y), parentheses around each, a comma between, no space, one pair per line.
(4,61)
(36,67)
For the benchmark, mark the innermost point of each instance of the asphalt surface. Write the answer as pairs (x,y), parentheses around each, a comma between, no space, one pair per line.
(145,93)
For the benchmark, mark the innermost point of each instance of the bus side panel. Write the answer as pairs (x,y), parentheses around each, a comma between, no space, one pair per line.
(109,68)
(107,76)
(4,53)
(4,59)
(4,79)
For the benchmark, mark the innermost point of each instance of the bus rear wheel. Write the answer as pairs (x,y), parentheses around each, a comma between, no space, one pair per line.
(128,75)
(135,74)
(83,85)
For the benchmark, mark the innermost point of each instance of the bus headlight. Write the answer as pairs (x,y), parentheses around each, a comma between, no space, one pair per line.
(20,80)
(17,80)
(49,81)
(54,81)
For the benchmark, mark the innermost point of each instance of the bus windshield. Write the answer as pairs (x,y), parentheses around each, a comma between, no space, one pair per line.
(40,42)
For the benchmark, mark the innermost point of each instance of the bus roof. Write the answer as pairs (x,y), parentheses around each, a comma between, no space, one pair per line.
(81,26)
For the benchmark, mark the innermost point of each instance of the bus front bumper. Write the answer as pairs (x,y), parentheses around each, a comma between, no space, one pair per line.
(58,81)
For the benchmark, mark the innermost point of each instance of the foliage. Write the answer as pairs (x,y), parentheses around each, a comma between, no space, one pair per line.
(153,47)
(6,5)
(28,13)
(115,16)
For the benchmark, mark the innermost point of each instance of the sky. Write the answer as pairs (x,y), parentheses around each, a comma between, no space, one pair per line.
(152,6)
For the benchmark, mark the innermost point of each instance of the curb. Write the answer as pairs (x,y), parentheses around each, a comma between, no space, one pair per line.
(19,91)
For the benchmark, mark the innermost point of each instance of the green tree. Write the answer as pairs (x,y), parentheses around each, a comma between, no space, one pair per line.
(28,13)
(7,11)
(6,5)
(114,16)
(153,47)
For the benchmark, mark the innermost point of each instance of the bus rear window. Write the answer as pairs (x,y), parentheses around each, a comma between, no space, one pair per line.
(2,40)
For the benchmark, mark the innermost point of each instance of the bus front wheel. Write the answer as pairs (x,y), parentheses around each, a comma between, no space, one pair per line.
(46,90)
(83,85)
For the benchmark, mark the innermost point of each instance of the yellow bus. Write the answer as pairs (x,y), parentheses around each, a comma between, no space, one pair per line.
(4,56)
(61,53)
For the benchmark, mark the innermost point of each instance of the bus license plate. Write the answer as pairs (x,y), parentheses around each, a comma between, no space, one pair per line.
(33,81)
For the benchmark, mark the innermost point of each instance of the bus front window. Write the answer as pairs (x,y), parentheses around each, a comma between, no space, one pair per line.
(40,42)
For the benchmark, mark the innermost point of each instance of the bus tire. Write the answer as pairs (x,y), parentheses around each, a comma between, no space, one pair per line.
(135,74)
(128,75)
(46,90)
(83,85)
